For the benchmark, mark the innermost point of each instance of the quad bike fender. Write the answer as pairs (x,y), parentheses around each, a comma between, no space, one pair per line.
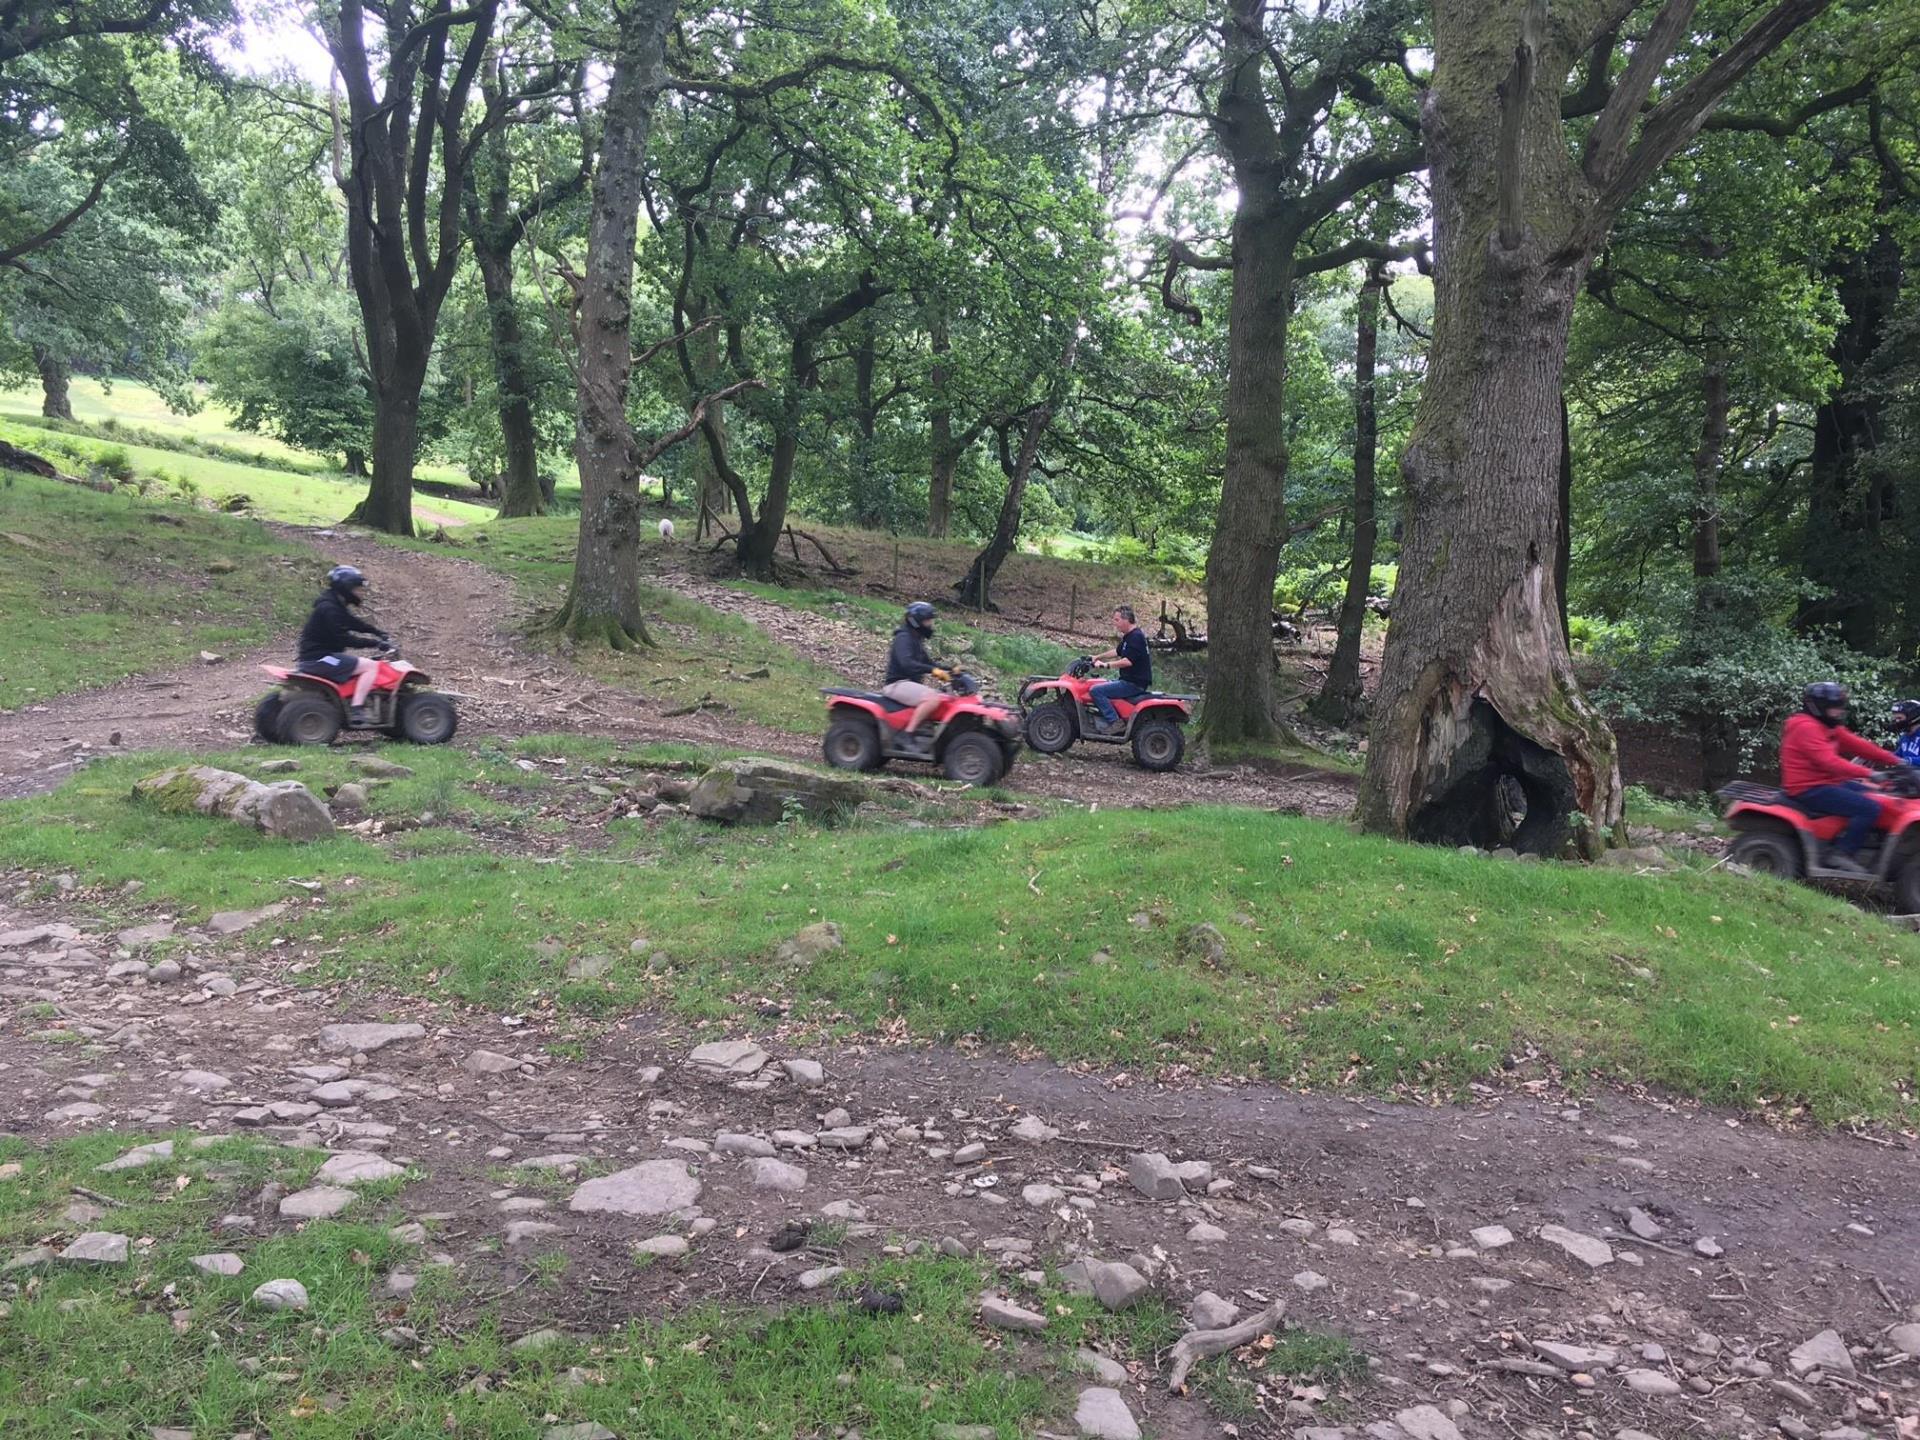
(1164,707)
(1042,691)
(311,684)
(842,705)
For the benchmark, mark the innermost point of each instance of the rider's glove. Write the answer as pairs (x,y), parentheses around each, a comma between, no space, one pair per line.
(943,676)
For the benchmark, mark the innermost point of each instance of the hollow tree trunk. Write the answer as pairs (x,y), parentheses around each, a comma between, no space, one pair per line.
(1717,731)
(1250,525)
(1477,685)
(603,602)
(520,490)
(946,460)
(55,401)
(1340,698)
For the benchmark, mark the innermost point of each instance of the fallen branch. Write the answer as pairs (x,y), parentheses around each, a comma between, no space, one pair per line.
(1198,1345)
(107,1200)
(1536,1369)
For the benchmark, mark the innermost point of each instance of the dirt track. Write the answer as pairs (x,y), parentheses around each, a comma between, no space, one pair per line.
(1360,1213)
(455,620)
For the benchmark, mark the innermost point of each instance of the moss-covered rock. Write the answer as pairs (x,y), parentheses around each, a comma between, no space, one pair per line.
(286,810)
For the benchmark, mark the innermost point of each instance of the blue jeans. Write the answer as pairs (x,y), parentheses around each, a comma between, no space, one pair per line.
(1859,808)
(1108,691)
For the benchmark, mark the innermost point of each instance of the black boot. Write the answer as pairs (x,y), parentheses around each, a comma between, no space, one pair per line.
(358,719)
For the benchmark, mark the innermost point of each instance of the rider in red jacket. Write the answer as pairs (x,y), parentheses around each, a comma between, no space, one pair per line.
(1816,769)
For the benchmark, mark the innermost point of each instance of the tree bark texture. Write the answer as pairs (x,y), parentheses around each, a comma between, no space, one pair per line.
(946,459)
(1563,545)
(1477,686)
(520,490)
(1477,683)
(603,602)
(403,220)
(56,403)
(976,586)
(709,473)
(1341,697)
(760,533)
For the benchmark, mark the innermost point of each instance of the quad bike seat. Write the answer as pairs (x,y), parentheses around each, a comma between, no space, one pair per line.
(886,704)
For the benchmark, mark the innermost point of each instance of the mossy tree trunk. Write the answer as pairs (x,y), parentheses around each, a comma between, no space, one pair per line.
(56,401)
(1477,684)
(603,602)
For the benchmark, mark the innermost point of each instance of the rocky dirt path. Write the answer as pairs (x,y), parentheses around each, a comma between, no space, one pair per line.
(455,619)
(1522,1266)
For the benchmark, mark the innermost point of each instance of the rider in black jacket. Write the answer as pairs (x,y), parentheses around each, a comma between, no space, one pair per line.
(909,667)
(332,629)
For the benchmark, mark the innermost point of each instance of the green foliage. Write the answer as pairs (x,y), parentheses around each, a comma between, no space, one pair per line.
(1738,660)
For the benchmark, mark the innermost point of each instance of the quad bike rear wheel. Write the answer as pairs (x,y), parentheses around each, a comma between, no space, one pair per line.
(1158,744)
(1906,885)
(1050,728)
(266,718)
(308,720)
(972,759)
(852,744)
(1768,852)
(427,717)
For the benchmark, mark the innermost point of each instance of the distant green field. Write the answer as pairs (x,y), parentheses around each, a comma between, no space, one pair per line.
(320,495)
(298,499)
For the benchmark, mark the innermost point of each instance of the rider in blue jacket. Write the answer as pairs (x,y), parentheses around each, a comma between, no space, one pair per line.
(1906,715)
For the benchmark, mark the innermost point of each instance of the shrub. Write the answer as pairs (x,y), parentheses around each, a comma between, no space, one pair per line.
(116,462)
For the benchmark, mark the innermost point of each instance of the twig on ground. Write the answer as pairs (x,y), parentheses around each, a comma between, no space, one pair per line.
(1199,1344)
(106,1200)
(1881,1291)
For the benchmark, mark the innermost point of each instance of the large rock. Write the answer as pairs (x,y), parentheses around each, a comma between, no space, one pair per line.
(1587,1249)
(1825,1351)
(822,937)
(281,1295)
(1102,1414)
(364,1039)
(286,810)
(319,1202)
(232,922)
(139,1157)
(356,1167)
(1155,1176)
(756,791)
(656,1187)
(97,1247)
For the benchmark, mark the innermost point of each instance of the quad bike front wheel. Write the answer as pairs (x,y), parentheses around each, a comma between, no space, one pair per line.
(427,717)
(1050,728)
(1767,852)
(972,759)
(309,720)
(266,718)
(852,744)
(1158,744)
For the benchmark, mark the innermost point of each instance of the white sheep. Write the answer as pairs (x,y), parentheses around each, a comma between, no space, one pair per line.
(666,531)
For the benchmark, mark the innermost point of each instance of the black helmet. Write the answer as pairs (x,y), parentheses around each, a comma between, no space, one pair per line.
(1821,699)
(1905,713)
(345,581)
(920,615)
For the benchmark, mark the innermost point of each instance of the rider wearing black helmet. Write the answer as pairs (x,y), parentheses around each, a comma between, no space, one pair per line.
(909,666)
(1817,753)
(332,629)
(1906,716)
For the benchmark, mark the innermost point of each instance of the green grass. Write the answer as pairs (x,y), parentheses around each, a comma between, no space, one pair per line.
(98,587)
(1351,963)
(111,1352)
(297,499)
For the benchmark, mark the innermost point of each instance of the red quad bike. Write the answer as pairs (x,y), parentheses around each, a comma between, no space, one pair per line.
(977,744)
(1061,711)
(309,710)
(1776,837)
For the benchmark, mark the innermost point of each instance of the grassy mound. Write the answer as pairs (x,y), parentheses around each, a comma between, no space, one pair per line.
(97,587)
(1334,961)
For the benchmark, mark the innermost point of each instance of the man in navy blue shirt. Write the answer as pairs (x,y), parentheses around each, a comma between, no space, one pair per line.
(1135,663)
